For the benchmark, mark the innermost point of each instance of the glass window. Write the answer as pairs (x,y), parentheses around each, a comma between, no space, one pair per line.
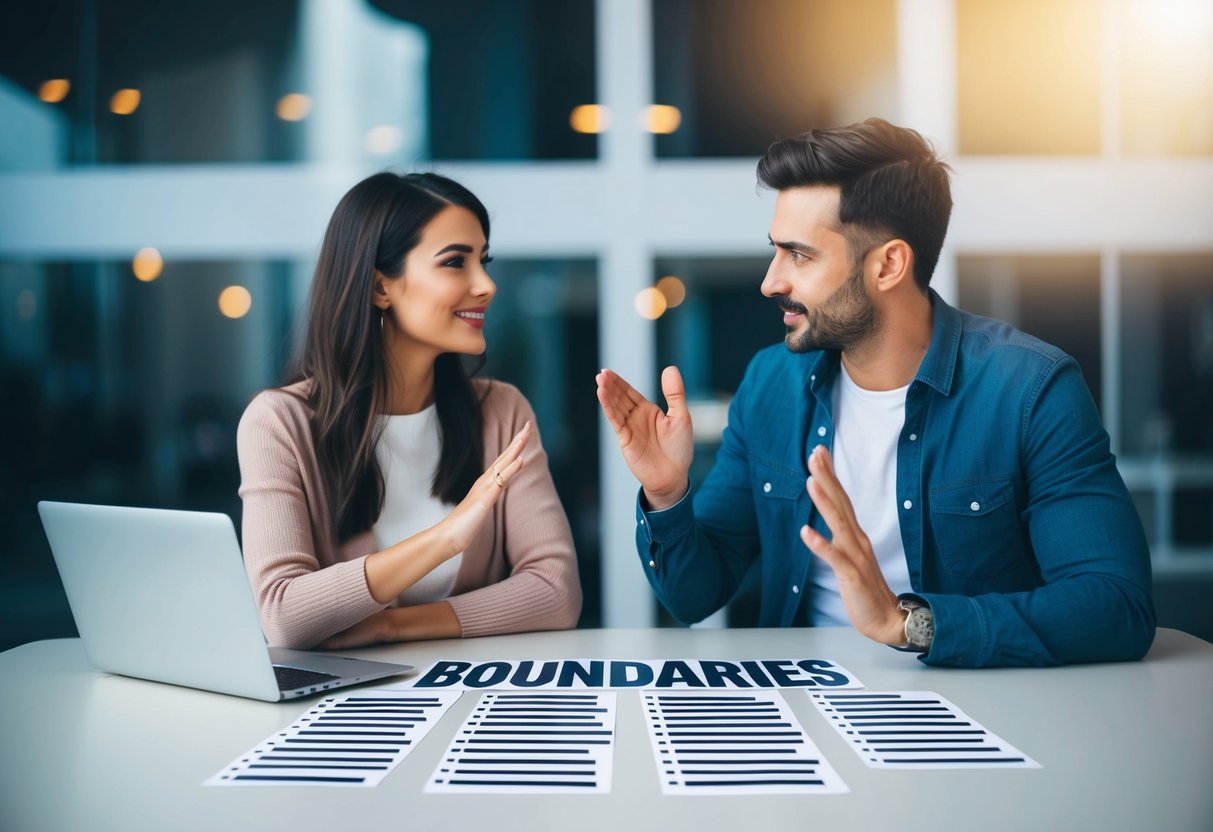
(1166,77)
(505,78)
(715,320)
(1028,76)
(1054,297)
(743,74)
(132,388)
(1166,354)
(542,336)
(351,82)
(1166,396)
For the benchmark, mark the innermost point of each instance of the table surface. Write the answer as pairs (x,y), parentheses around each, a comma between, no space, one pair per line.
(1121,746)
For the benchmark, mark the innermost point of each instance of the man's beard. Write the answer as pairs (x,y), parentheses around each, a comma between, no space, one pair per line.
(844,319)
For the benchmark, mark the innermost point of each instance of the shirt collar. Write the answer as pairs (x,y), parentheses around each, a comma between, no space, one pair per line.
(938,367)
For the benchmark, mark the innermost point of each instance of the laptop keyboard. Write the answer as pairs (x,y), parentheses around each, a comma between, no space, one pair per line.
(293,678)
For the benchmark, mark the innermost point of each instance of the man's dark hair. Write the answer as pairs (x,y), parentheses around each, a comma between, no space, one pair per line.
(893,185)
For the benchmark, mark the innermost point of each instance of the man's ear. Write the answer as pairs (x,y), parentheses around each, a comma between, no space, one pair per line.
(379,293)
(895,260)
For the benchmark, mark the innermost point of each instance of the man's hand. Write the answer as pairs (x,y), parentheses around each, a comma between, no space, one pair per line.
(870,603)
(658,447)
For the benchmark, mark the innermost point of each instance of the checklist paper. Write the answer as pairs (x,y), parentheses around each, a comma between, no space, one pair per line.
(351,740)
(532,743)
(915,730)
(733,743)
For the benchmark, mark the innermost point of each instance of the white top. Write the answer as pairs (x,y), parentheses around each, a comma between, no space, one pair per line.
(408,452)
(867,424)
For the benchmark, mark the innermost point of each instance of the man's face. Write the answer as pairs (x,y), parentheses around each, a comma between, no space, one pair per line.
(821,292)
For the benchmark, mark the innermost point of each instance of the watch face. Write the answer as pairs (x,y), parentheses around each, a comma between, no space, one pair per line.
(920,627)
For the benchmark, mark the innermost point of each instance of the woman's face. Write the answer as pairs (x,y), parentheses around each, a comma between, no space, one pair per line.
(438,303)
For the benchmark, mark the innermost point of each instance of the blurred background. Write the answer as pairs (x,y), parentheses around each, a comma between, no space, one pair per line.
(167,170)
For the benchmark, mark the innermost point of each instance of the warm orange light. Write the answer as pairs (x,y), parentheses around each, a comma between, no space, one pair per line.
(384,139)
(293,106)
(590,118)
(662,118)
(235,302)
(672,289)
(54,90)
(125,102)
(1173,24)
(147,265)
(650,303)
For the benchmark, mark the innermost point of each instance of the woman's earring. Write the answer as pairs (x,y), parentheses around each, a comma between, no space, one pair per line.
(382,315)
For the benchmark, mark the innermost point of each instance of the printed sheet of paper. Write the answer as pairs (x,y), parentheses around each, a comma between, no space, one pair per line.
(532,743)
(915,730)
(733,743)
(350,740)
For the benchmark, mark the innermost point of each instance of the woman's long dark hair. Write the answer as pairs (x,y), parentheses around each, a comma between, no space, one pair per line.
(373,228)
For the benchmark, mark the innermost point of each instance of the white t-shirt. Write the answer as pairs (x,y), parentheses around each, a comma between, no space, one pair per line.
(408,452)
(867,424)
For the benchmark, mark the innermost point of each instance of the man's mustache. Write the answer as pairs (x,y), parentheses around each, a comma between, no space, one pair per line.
(789,305)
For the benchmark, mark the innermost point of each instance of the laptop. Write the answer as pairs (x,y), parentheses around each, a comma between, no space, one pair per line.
(162,595)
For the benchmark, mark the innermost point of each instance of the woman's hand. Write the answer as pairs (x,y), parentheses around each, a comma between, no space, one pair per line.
(374,629)
(423,621)
(391,571)
(460,527)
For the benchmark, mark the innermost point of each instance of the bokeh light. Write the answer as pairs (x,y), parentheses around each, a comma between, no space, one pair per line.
(235,302)
(125,102)
(673,290)
(54,90)
(662,118)
(147,265)
(650,303)
(590,118)
(294,106)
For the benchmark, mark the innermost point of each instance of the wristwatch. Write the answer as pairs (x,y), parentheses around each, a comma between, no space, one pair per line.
(920,625)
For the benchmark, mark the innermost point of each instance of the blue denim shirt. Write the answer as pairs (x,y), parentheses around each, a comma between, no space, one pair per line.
(1018,530)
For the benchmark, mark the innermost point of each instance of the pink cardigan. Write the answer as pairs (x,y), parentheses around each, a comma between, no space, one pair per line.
(519,574)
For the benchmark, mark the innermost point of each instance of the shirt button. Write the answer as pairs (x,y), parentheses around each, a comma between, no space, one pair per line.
(821,431)
(913,437)
(642,521)
(976,506)
(813,377)
(766,488)
(652,564)
(907,505)
(795,589)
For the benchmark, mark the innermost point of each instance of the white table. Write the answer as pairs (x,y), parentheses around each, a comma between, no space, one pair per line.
(1122,746)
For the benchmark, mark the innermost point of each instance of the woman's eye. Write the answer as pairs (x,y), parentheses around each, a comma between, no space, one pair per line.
(484,261)
(454,263)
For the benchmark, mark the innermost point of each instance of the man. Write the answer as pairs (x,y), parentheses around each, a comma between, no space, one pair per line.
(961,498)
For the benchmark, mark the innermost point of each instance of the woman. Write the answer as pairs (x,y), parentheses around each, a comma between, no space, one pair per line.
(388,496)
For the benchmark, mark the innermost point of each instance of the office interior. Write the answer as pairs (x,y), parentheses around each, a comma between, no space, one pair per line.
(166,172)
